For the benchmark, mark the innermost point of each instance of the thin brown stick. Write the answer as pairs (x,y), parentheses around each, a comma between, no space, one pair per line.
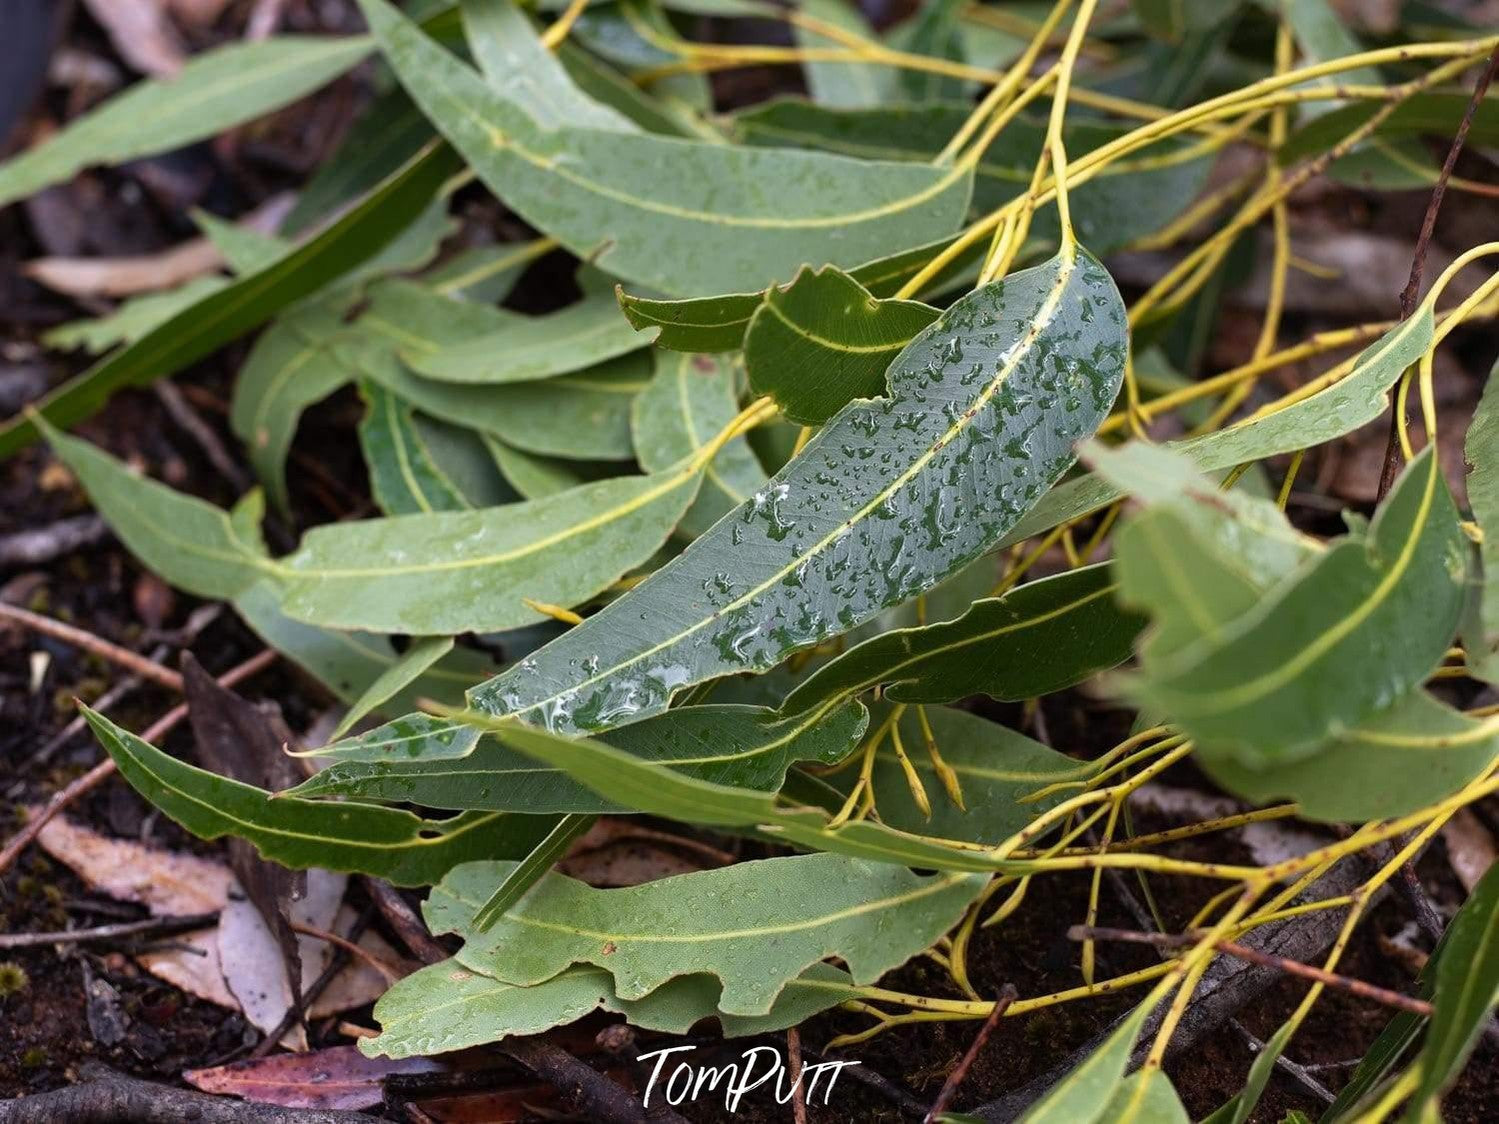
(794,1071)
(1264,959)
(107,932)
(1007,995)
(106,768)
(385,968)
(132,662)
(1391,466)
(404,920)
(336,963)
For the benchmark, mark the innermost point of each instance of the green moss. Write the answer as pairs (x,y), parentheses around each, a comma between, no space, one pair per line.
(12,978)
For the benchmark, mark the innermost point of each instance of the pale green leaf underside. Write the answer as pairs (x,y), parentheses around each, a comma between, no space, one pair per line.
(754,925)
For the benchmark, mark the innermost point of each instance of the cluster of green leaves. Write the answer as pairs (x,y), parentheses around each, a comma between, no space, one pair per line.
(777,622)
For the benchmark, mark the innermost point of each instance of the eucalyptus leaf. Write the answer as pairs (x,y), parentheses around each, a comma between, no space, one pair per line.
(440,764)
(385,842)
(843,83)
(1365,624)
(460,571)
(690,399)
(1350,403)
(1086,1095)
(292,365)
(214,92)
(1466,993)
(185,541)
(131,318)
(820,342)
(349,663)
(700,324)
(682,216)
(1041,637)
(1414,752)
(585,416)
(403,476)
(411,666)
(447,1007)
(755,925)
(581,335)
(518,67)
(995,766)
(531,475)
(356,237)
(485,274)
(1481,450)
(887,500)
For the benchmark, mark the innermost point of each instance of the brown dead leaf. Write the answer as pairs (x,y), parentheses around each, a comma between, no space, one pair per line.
(339,1077)
(149,273)
(1470,847)
(166,883)
(141,33)
(246,742)
(174,885)
(126,276)
(197,13)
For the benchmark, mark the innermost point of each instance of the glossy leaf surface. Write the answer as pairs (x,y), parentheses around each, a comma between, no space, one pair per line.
(690,399)
(887,500)
(822,341)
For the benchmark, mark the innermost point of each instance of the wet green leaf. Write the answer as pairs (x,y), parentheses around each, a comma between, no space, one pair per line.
(440,764)
(754,925)
(888,499)
(1038,638)
(683,216)
(1354,401)
(1145,1097)
(215,91)
(403,476)
(688,402)
(822,341)
(385,842)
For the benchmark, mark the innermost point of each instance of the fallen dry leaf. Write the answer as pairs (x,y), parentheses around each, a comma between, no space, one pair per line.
(141,33)
(339,1077)
(251,957)
(166,883)
(174,885)
(1470,847)
(149,273)
(126,276)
